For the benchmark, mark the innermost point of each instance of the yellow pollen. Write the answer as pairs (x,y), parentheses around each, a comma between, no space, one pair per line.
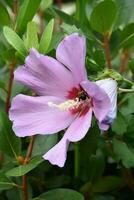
(67,105)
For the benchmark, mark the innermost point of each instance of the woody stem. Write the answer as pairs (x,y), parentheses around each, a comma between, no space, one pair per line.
(26,161)
(107,51)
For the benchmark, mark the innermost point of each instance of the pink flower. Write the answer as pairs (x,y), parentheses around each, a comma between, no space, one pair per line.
(66,98)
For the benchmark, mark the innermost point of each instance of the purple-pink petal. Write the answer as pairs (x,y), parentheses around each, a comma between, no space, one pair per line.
(32,115)
(58,154)
(44,75)
(101,101)
(104,125)
(71,52)
(79,127)
(110,87)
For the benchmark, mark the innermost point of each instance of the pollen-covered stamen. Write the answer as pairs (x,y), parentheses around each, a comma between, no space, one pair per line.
(67,105)
(75,105)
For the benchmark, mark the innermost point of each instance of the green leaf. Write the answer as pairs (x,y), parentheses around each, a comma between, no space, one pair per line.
(96,166)
(103,16)
(15,41)
(67,18)
(69,29)
(32,36)
(46,4)
(26,13)
(60,194)
(127,37)
(87,147)
(108,184)
(43,143)
(125,12)
(119,125)
(80,11)
(55,41)
(9,3)
(16,192)
(9,143)
(89,7)
(99,57)
(92,66)
(8,54)
(5,183)
(24,169)
(46,37)
(58,181)
(130,127)
(128,108)
(123,153)
(2,84)
(4,16)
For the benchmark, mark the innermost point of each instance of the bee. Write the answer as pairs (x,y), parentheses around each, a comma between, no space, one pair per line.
(82,96)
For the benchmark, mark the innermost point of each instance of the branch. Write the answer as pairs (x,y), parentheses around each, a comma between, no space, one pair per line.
(123,61)
(126,90)
(59,5)
(15,9)
(10,83)
(26,161)
(107,51)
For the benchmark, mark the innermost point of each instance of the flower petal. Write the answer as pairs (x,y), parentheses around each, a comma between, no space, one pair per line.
(110,87)
(32,115)
(71,52)
(101,102)
(44,75)
(79,127)
(58,154)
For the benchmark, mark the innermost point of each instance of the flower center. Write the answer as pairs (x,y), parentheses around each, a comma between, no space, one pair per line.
(79,103)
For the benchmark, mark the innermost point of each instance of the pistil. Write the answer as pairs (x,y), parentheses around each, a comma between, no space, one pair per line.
(67,105)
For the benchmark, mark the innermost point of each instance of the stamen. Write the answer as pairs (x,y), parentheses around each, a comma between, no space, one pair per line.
(67,105)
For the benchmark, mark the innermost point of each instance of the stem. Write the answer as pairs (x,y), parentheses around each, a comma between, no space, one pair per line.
(41,16)
(123,61)
(26,161)
(1,159)
(126,90)
(59,5)
(15,9)
(29,151)
(107,51)
(10,82)
(128,81)
(76,161)
(24,187)
(11,65)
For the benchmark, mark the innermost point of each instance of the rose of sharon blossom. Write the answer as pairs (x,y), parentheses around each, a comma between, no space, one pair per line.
(66,98)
